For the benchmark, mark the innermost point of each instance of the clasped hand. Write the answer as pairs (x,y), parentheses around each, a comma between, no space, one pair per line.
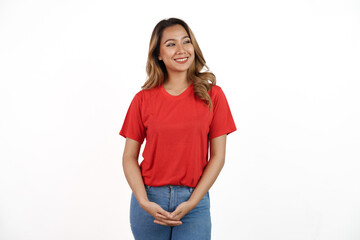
(165,218)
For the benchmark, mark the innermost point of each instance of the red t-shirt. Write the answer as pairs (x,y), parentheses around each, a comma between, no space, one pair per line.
(177,131)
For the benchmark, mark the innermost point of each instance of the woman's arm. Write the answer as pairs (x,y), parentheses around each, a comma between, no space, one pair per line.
(211,172)
(132,170)
(136,183)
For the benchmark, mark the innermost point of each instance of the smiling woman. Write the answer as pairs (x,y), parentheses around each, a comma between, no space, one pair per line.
(181,112)
(158,72)
(176,50)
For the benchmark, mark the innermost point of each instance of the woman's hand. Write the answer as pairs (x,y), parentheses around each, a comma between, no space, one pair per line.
(181,210)
(161,216)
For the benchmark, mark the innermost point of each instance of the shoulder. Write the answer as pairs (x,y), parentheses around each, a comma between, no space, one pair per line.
(146,94)
(215,88)
(215,91)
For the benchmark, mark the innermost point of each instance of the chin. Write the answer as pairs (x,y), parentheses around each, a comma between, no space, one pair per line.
(180,69)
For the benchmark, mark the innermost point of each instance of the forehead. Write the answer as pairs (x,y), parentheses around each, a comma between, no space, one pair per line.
(173,32)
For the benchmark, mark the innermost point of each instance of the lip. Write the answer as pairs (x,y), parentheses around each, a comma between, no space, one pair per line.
(181,62)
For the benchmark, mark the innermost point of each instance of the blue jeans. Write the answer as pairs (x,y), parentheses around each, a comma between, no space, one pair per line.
(196,225)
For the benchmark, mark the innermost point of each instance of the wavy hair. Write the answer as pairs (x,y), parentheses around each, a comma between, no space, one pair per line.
(156,69)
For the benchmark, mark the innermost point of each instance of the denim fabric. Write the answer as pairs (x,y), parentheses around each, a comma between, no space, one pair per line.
(196,225)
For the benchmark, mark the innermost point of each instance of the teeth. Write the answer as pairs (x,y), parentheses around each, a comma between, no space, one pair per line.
(181,59)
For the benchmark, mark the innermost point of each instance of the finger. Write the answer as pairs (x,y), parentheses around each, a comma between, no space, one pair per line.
(163,212)
(175,213)
(160,216)
(167,220)
(167,223)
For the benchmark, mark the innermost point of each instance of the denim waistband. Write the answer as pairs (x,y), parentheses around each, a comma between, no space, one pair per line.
(171,187)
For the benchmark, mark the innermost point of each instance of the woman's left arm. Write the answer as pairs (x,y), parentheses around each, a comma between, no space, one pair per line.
(211,172)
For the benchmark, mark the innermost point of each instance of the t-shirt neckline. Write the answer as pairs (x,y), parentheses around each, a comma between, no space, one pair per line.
(186,92)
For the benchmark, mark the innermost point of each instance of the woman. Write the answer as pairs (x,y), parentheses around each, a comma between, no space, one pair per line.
(180,114)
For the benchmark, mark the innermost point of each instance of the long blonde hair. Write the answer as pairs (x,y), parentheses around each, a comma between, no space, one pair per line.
(156,70)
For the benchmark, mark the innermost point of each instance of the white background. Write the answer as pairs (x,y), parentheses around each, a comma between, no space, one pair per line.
(290,72)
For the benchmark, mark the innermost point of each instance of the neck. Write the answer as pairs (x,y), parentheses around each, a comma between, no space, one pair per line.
(177,80)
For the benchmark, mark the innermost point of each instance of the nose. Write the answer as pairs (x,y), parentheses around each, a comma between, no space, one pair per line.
(180,49)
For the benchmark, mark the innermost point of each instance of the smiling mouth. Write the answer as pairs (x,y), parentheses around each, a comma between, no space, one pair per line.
(181,59)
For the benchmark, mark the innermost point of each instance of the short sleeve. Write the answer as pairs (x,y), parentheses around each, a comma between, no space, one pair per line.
(222,120)
(133,126)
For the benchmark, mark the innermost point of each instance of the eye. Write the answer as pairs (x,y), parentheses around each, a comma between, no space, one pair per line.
(170,45)
(187,41)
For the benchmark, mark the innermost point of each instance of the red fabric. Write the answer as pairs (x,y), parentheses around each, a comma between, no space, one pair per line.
(177,131)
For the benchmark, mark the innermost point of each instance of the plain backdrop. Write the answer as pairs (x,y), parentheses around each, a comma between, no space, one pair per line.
(289,70)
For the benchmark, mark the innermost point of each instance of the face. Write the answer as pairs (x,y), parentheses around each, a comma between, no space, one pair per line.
(176,49)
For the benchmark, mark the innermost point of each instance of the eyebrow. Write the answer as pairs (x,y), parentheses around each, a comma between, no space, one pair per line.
(175,39)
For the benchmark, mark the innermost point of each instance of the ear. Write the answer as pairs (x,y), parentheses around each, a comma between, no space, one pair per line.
(160,58)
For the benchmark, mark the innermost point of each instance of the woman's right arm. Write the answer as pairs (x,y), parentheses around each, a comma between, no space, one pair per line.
(136,183)
(132,170)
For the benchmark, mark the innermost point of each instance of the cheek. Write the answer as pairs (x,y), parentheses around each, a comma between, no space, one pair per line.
(190,49)
(164,52)
(192,52)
